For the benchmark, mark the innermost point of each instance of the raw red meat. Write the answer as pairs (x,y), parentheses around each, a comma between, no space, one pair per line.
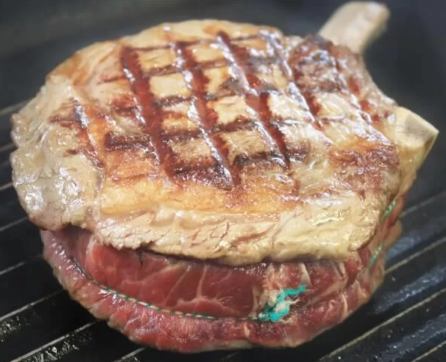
(190,305)
(190,334)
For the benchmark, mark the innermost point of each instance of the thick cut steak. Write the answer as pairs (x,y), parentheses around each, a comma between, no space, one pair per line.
(208,184)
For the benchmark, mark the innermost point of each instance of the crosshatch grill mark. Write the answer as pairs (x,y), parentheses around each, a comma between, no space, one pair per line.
(206,117)
(221,165)
(256,97)
(149,116)
(149,110)
(245,81)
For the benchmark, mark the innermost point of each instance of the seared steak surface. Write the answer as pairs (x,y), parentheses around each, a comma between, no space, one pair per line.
(212,140)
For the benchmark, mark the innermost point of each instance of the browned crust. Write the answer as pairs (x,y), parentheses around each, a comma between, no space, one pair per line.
(195,128)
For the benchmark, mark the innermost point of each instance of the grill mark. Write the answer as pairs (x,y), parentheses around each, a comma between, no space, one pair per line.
(213,64)
(184,167)
(186,134)
(171,101)
(115,141)
(124,110)
(173,114)
(181,135)
(152,48)
(308,51)
(370,111)
(66,122)
(293,75)
(160,71)
(202,169)
(241,124)
(239,58)
(305,99)
(369,107)
(207,117)
(172,69)
(111,79)
(307,94)
(223,92)
(366,105)
(246,37)
(350,85)
(72,152)
(155,71)
(273,134)
(185,170)
(263,156)
(224,149)
(285,67)
(230,87)
(353,85)
(195,42)
(347,85)
(301,151)
(83,121)
(79,121)
(150,116)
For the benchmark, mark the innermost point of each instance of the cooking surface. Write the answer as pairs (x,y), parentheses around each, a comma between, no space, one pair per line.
(406,318)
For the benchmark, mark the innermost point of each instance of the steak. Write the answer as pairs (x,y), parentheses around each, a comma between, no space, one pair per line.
(208,185)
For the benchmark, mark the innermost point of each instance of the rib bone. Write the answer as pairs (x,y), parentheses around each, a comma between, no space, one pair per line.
(415,134)
(356,24)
